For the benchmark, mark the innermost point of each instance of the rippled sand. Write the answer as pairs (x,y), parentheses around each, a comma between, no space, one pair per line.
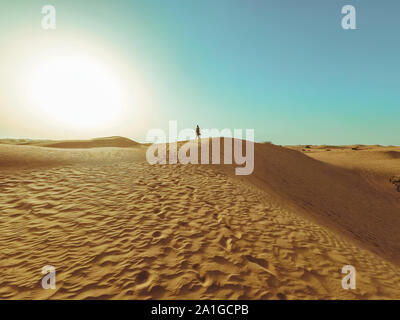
(115,227)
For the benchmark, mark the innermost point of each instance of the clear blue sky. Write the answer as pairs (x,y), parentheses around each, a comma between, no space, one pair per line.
(285,68)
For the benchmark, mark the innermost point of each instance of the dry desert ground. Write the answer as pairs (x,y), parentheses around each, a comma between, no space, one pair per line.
(116,227)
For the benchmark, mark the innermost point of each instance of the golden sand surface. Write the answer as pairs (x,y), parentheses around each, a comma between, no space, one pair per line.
(116,227)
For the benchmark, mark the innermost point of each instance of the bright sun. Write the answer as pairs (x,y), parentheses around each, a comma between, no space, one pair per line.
(67,87)
(76,90)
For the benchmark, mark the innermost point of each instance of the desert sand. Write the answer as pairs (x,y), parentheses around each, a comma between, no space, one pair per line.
(116,227)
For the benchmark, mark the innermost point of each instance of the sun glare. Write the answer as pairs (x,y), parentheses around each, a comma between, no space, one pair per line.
(67,87)
(76,90)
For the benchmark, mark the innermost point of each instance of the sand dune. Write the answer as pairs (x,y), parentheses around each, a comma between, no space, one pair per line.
(340,196)
(119,142)
(114,226)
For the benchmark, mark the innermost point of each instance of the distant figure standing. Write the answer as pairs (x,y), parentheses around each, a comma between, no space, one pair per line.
(198,132)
